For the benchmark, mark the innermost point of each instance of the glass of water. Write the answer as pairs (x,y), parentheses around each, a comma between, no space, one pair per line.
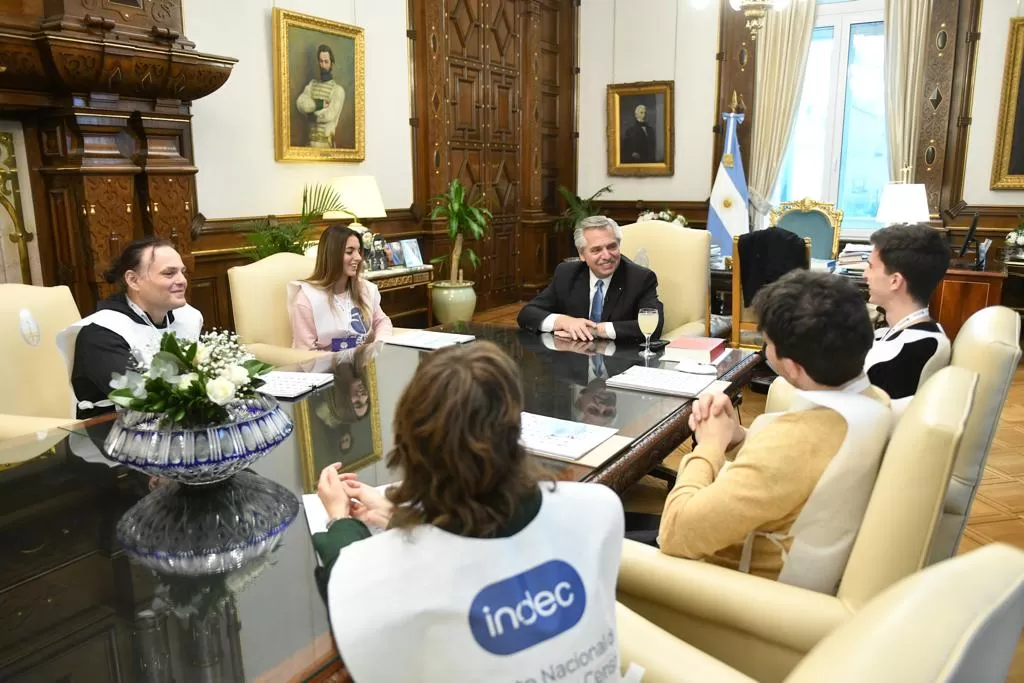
(647,319)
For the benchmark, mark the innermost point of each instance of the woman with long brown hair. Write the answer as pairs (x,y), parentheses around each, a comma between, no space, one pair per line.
(334,308)
(483,572)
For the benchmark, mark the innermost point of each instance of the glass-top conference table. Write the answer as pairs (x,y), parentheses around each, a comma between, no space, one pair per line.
(75,604)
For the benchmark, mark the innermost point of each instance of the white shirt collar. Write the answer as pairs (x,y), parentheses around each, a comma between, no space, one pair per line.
(593,281)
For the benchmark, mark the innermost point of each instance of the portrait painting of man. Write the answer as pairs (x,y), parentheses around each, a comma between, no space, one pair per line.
(319,81)
(640,129)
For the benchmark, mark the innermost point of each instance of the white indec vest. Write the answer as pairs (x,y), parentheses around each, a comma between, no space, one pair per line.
(144,340)
(332,322)
(427,606)
(824,531)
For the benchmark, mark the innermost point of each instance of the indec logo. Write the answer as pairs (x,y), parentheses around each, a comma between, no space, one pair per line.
(526,609)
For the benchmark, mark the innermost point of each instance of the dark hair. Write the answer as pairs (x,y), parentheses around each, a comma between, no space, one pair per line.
(330,267)
(818,320)
(132,257)
(918,253)
(457,442)
(327,49)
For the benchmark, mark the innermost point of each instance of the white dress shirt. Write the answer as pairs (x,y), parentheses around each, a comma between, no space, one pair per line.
(607,329)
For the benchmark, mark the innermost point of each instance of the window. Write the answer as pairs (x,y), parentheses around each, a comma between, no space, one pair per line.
(838,151)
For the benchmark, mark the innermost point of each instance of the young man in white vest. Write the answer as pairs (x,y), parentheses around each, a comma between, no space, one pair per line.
(745,498)
(127,326)
(906,265)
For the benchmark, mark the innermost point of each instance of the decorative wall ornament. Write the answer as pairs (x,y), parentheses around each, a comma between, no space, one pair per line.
(641,132)
(1008,160)
(10,202)
(319,81)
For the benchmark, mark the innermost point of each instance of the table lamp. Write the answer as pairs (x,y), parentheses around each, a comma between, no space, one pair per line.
(361,199)
(903,203)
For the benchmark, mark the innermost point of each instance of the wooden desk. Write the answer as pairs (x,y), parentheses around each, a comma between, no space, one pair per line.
(963,292)
(405,293)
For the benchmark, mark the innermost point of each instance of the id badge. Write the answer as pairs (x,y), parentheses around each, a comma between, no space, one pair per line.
(349,342)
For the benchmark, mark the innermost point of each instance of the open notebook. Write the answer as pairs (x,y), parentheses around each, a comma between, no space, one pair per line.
(293,384)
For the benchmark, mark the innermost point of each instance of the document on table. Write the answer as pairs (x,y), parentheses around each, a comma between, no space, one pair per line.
(658,381)
(425,339)
(292,384)
(562,439)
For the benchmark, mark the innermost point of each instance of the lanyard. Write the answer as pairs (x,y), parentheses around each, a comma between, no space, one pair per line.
(908,320)
(142,314)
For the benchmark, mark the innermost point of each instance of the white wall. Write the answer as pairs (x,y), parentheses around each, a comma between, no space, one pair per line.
(665,40)
(988,82)
(233,129)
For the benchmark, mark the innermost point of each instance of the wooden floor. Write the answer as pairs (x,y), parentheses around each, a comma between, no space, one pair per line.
(998,510)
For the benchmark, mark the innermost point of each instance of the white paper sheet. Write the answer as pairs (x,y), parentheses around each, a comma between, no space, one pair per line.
(658,381)
(563,439)
(293,384)
(425,339)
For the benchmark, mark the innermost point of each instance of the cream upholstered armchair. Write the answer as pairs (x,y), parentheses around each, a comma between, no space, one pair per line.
(940,625)
(764,628)
(680,258)
(32,363)
(259,302)
(988,344)
(818,221)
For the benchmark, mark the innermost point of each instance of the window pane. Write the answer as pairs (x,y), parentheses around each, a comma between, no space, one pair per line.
(864,167)
(804,167)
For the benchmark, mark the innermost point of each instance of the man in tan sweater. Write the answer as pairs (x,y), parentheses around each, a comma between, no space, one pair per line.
(817,333)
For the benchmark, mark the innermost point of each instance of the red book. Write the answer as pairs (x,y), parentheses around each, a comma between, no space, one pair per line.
(700,349)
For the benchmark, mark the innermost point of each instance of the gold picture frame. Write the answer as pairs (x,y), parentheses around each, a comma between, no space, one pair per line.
(1008,167)
(300,42)
(646,146)
(313,433)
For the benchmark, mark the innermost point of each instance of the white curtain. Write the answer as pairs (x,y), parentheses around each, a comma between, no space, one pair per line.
(906,33)
(782,51)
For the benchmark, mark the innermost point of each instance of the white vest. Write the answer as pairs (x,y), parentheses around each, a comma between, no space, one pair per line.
(824,531)
(427,606)
(884,350)
(335,321)
(144,340)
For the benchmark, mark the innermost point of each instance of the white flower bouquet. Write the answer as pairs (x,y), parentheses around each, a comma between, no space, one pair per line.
(1015,238)
(191,384)
(666,215)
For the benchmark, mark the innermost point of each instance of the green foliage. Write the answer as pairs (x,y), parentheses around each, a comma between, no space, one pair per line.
(578,208)
(267,238)
(467,219)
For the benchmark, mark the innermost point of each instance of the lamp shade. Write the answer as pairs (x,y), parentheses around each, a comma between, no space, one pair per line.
(359,195)
(903,203)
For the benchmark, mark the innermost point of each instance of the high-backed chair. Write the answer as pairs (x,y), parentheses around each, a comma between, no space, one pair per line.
(956,622)
(33,369)
(817,221)
(259,302)
(744,322)
(680,258)
(763,627)
(988,344)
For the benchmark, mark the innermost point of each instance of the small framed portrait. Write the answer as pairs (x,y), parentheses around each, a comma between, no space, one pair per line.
(640,129)
(396,257)
(411,252)
(1008,160)
(340,422)
(319,82)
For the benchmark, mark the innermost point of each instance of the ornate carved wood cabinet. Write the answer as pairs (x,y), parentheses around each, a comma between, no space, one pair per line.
(494,107)
(103,89)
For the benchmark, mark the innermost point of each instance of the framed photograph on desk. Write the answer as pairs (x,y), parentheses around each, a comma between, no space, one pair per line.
(340,423)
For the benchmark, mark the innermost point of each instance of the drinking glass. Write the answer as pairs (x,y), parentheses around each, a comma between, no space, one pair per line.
(647,319)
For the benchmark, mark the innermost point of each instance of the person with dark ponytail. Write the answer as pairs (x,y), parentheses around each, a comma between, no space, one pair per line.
(126,328)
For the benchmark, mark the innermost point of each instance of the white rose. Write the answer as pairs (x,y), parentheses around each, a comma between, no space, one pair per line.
(202,353)
(220,390)
(186,380)
(236,374)
(1011,238)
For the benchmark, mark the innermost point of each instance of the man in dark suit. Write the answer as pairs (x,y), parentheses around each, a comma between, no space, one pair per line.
(598,296)
(638,142)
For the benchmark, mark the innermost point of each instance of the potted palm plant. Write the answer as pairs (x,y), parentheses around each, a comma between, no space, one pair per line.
(454,299)
(576,209)
(267,237)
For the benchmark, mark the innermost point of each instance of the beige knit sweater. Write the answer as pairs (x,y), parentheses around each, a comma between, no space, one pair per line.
(708,516)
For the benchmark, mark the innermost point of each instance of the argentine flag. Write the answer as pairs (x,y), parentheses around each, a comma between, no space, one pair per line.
(727,212)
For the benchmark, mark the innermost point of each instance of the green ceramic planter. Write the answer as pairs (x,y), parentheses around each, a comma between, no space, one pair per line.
(453,301)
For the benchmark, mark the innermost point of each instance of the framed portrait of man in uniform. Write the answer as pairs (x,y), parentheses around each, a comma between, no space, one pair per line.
(641,140)
(319,83)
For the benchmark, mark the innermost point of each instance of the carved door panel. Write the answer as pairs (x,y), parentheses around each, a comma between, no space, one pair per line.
(169,206)
(464,31)
(107,222)
(502,33)
(503,182)
(503,108)
(466,103)
(503,263)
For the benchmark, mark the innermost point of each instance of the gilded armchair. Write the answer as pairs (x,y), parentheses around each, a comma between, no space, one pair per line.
(818,221)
